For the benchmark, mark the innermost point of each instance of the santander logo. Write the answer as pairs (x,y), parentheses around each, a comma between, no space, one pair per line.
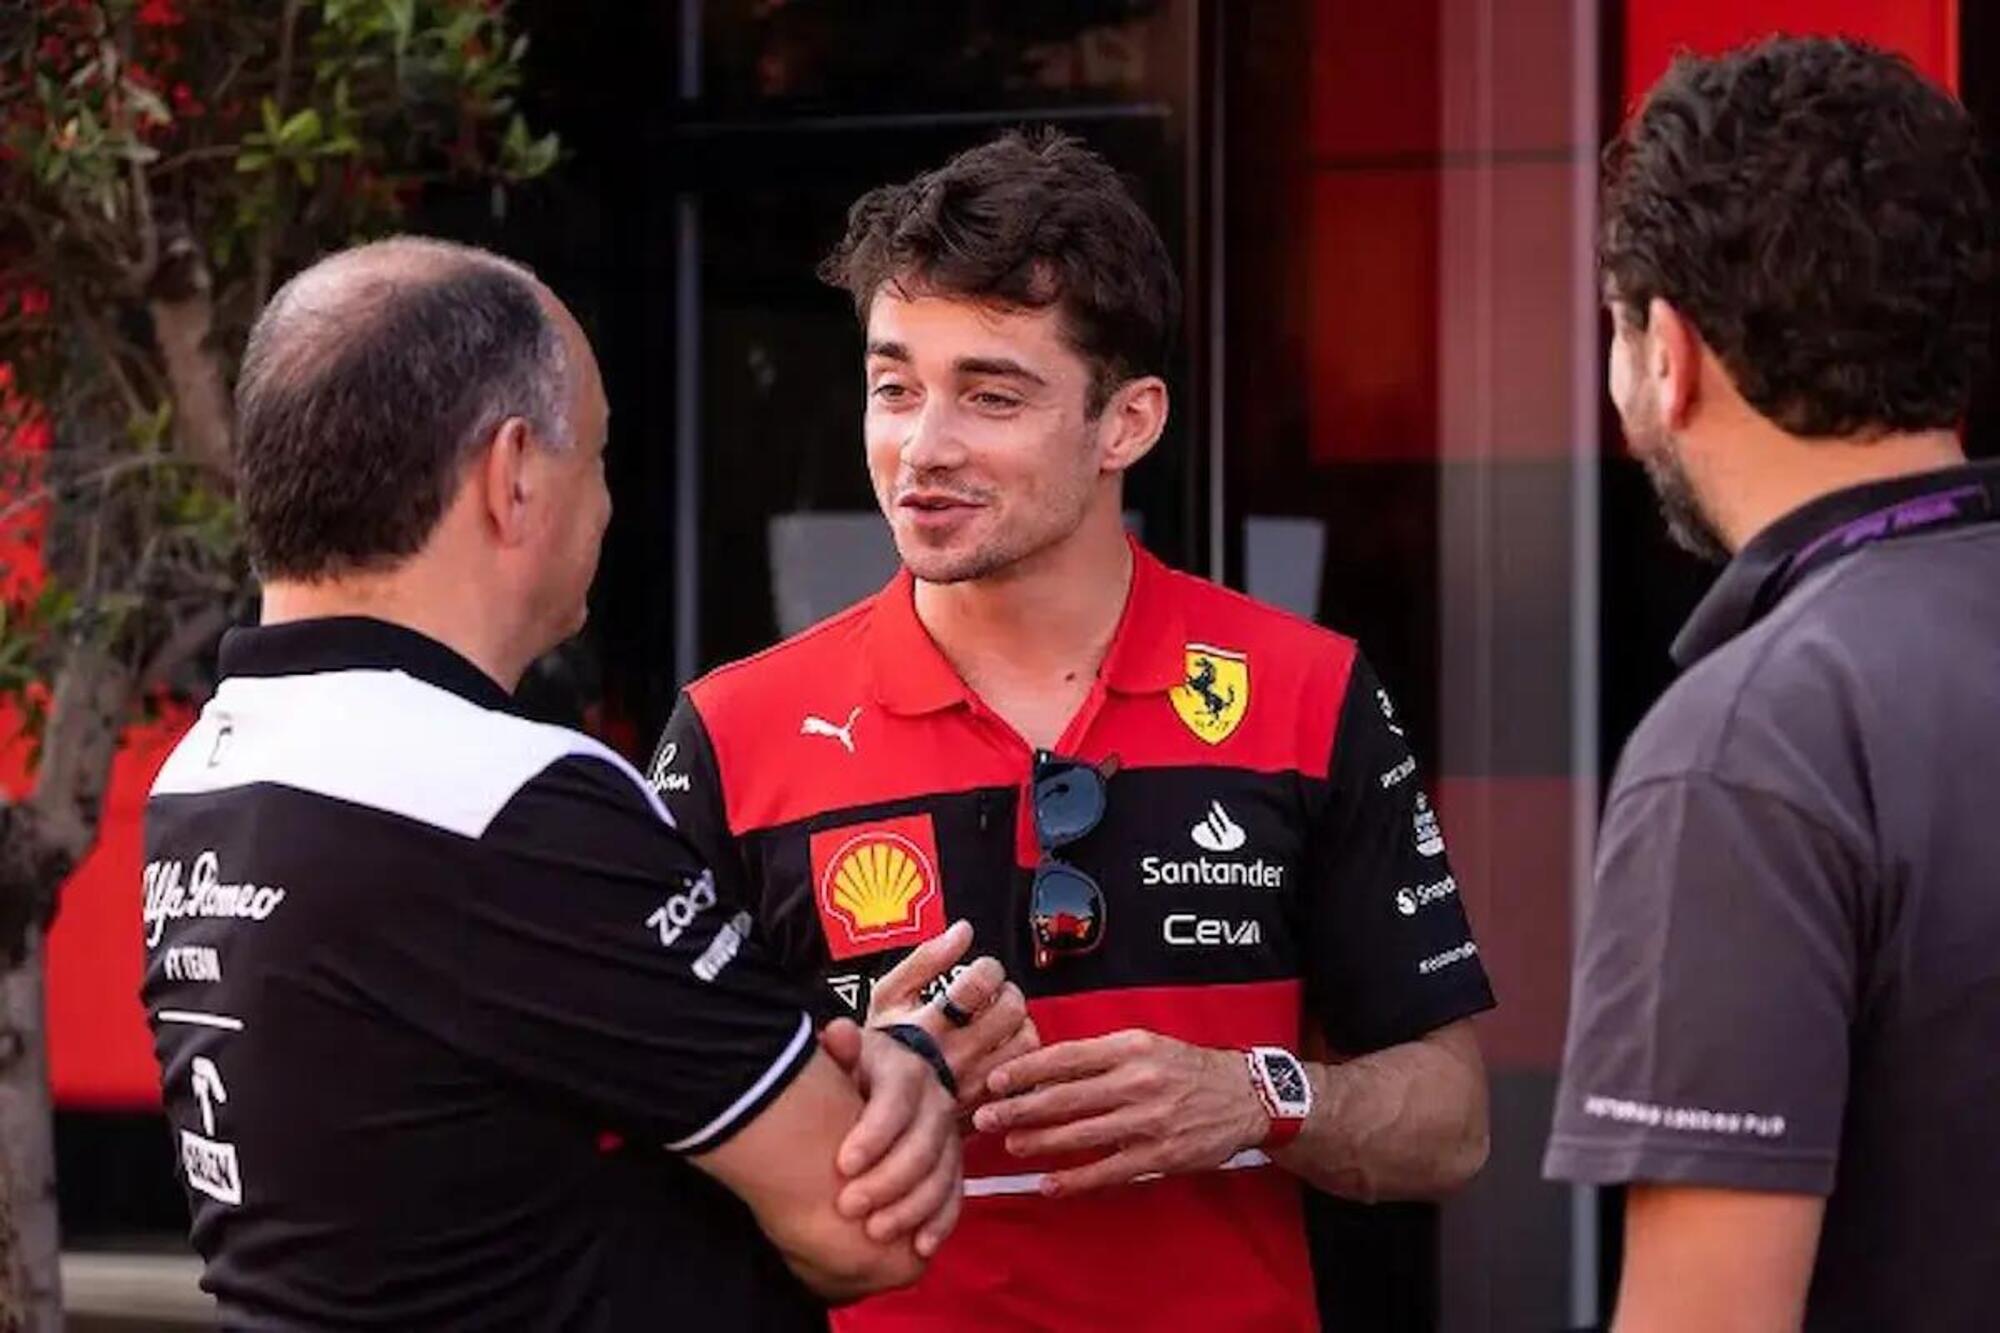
(1217,832)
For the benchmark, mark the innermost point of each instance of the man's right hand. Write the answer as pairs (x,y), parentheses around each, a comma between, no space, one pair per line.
(902,1160)
(997,1028)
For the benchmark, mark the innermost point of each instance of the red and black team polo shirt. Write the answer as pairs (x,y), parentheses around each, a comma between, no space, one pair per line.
(1269,860)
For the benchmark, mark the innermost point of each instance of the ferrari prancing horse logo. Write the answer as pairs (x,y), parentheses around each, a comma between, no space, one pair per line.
(1215,693)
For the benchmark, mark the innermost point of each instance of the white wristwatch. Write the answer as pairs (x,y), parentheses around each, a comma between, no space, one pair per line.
(1282,1085)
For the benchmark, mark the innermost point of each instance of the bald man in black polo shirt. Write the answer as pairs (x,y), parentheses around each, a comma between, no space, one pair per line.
(455,1029)
(1786,1031)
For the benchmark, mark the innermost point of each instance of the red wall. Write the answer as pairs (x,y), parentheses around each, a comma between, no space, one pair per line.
(99,1052)
(1924,30)
(1375,149)
(1371,195)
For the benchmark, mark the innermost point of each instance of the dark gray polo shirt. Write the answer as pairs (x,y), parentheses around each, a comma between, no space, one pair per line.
(1789,978)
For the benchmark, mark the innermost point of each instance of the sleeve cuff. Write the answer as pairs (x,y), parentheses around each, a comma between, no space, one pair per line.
(760,1094)
(1585,1162)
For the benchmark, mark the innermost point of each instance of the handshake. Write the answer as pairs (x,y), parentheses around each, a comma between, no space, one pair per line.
(1132,1104)
(901,1163)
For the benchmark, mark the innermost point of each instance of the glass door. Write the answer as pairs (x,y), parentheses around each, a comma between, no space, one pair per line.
(786,113)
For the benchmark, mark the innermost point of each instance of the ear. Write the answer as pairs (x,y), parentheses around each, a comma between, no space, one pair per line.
(505,480)
(1132,422)
(1673,363)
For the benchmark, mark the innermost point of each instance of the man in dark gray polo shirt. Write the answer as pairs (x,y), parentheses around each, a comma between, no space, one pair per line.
(1786,1025)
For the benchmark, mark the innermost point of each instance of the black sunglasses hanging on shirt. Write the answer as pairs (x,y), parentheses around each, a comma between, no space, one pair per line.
(1065,905)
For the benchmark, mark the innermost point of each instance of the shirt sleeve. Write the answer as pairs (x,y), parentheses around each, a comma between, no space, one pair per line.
(686,776)
(1715,989)
(1390,953)
(597,961)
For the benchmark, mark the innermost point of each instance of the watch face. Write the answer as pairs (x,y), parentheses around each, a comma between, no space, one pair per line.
(1288,1080)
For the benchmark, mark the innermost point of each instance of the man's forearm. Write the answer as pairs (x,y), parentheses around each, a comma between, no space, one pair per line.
(1731,1261)
(1408,1122)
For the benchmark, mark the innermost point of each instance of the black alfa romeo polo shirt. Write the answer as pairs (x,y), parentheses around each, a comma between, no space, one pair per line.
(1790,975)
(415,965)
(1271,866)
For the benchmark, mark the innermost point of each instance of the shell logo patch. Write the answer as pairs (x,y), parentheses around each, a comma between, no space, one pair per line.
(876,885)
(1215,693)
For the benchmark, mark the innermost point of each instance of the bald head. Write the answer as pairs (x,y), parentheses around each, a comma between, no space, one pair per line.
(370,380)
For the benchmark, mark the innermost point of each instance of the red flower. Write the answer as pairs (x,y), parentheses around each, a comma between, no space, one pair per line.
(33,436)
(186,104)
(160,14)
(6,376)
(34,301)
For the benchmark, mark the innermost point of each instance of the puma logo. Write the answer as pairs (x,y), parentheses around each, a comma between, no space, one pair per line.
(819,726)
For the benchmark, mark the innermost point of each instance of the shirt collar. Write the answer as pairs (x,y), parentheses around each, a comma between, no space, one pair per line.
(911,674)
(1750,585)
(347,643)
(1148,653)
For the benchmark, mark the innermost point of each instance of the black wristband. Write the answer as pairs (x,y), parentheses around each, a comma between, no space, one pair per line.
(916,1039)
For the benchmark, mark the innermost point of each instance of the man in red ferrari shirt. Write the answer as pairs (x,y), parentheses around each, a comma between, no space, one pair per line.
(1187,823)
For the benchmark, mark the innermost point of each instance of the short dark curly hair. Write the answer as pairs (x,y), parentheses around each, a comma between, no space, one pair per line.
(1814,206)
(1029,220)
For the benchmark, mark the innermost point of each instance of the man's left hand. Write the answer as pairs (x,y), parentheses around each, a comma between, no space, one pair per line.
(1153,1105)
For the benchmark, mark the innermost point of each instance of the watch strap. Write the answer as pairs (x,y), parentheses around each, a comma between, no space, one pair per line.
(925,1047)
